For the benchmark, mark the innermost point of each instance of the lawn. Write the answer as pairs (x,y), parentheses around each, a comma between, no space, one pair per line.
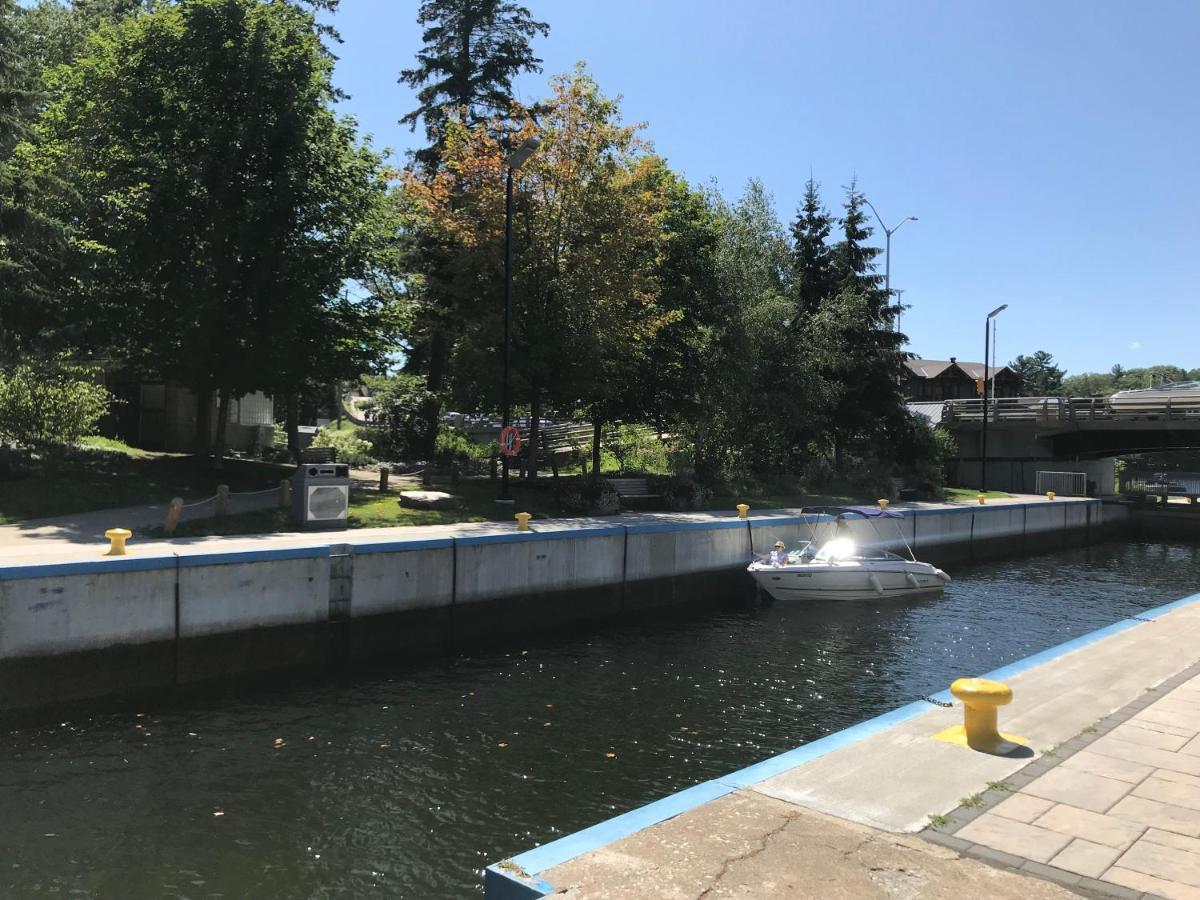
(104,473)
(370,509)
(969,495)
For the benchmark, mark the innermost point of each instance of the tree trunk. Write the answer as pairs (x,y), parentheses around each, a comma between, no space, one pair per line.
(435,381)
(202,442)
(222,423)
(293,426)
(698,451)
(597,425)
(531,454)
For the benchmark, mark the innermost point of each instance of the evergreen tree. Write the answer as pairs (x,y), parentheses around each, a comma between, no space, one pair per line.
(1040,377)
(813,257)
(473,48)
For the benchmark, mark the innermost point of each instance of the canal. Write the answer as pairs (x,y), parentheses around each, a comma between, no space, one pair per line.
(405,782)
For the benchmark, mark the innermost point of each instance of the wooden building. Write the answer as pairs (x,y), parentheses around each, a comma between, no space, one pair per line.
(934,380)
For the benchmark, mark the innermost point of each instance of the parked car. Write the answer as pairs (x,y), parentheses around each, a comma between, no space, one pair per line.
(1182,393)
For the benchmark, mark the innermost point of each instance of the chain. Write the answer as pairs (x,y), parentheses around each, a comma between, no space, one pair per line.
(940,703)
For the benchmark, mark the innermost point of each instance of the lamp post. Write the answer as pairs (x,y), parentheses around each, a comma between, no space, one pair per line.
(987,340)
(887,253)
(516,158)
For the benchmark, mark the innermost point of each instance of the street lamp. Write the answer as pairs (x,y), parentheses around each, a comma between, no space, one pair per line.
(516,158)
(887,253)
(987,340)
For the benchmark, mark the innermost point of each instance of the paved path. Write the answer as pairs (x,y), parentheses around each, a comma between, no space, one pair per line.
(1122,811)
(1128,811)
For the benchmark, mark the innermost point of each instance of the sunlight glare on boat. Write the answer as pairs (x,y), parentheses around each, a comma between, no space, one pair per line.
(838,548)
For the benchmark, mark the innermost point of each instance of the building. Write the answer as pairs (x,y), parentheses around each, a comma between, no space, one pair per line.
(935,380)
(163,416)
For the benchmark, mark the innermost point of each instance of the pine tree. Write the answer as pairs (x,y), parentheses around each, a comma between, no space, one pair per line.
(813,259)
(853,258)
(473,48)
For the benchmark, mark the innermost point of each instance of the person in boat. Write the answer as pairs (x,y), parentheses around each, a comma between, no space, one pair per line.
(778,555)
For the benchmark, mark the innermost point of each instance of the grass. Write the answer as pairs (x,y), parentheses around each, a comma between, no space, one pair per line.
(370,509)
(968,495)
(939,821)
(999,786)
(973,802)
(103,473)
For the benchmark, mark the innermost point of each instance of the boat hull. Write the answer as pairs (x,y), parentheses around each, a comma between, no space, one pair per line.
(849,580)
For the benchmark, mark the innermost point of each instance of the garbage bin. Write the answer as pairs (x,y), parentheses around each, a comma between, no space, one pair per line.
(321,495)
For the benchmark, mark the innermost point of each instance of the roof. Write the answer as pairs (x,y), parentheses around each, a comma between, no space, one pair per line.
(930,412)
(932,368)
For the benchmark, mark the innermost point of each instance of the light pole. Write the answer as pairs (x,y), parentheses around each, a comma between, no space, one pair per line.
(887,253)
(987,340)
(514,161)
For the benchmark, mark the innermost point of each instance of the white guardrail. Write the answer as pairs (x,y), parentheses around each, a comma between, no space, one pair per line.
(1056,410)
(1064,484)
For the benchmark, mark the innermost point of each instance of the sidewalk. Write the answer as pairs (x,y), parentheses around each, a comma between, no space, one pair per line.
(840,817)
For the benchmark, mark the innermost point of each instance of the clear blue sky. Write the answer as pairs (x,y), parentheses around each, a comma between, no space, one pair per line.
(1050,150)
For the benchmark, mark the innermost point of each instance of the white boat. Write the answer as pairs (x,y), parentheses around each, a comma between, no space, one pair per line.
(839,569)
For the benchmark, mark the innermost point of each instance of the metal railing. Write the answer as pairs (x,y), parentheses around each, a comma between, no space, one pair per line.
(1068,410)
(1064,484)
(1169,484)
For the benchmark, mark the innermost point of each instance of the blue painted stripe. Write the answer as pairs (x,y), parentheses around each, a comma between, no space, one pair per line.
(516,537)
(106,566)
(403,546)
(557,852)
(550,855)
(252,556)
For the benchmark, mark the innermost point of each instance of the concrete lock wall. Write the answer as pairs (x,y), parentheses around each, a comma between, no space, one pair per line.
(206,615)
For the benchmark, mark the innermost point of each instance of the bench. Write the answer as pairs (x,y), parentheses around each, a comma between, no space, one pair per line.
(318,455)
(632,488)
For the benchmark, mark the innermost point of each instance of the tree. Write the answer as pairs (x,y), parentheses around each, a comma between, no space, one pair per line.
(47,405)
(1040,377)
(222,204)
(472,49)
(586,233)
(813,257)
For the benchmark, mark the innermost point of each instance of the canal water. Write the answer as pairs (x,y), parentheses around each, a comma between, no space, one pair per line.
(406,782)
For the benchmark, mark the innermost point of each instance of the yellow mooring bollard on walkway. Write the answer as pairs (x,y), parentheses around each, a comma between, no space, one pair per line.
(743,510)
(523,521)
(981,698)
(1049,495)
(883,504)
(117,538)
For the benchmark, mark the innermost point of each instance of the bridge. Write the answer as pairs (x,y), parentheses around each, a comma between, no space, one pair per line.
(1028,434)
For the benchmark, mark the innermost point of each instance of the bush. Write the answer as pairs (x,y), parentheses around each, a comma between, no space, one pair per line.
(587,495)
(454,445)
(349,446)
(395,410)
(50,405)
(637,448)
(680,494)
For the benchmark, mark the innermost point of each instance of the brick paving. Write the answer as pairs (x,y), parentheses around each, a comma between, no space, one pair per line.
(1112,812)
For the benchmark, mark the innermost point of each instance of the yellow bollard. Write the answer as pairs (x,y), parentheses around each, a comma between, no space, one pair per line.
(1049,495)
(883,504)
(117,538)
(523,521)
(743,509)
(981,698)
(982,498)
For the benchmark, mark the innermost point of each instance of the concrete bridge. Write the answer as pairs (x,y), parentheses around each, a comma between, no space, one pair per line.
(1080,434)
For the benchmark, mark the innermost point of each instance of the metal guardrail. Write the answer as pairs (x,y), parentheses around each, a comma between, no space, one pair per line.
(1064,484)
(1070,410)
(1169,484)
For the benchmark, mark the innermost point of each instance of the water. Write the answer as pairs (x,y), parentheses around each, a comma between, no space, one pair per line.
(405,783)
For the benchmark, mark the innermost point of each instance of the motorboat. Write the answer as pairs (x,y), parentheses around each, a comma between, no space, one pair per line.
(840,567)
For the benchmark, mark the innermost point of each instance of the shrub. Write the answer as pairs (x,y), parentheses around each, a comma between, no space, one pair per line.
(395,410)
(587,495)
(50,405)
(637,448)
(681,494)
(349,446)
(454,445)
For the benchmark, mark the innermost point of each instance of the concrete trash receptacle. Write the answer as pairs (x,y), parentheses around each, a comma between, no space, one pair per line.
(321,495)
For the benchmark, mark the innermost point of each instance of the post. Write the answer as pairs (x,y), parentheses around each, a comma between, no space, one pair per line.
(222,500)
(384,472)
(887,269)
(174,511)
(505,496)
(285,492)
(987,334)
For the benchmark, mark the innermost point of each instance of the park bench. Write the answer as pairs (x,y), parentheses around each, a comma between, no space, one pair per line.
(318,455)
(632,488)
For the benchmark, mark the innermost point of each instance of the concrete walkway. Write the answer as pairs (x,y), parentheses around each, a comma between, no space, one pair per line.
(1122,811)
(843,822)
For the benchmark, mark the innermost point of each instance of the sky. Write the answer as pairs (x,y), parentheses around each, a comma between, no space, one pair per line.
(1049,150)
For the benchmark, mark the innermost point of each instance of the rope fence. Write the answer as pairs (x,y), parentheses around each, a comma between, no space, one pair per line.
(222,500)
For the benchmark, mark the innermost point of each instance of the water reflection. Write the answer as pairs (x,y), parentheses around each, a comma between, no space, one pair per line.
(405,783)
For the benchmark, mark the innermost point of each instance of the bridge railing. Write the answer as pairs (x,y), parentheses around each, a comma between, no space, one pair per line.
(1068,410)
(1169,484)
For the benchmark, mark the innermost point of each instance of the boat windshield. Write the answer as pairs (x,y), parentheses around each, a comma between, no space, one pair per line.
(845,548)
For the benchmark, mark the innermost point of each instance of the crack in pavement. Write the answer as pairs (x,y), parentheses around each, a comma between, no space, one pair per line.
(730,861)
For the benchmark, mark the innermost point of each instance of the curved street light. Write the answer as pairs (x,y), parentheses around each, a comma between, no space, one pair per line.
(987,338)
(887,253)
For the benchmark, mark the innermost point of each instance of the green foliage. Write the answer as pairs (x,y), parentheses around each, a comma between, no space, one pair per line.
(637,448)
(47,406)
(472,49)
(350,447)
(1104,384)
(1040,377)
(396,410)
(454,445)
